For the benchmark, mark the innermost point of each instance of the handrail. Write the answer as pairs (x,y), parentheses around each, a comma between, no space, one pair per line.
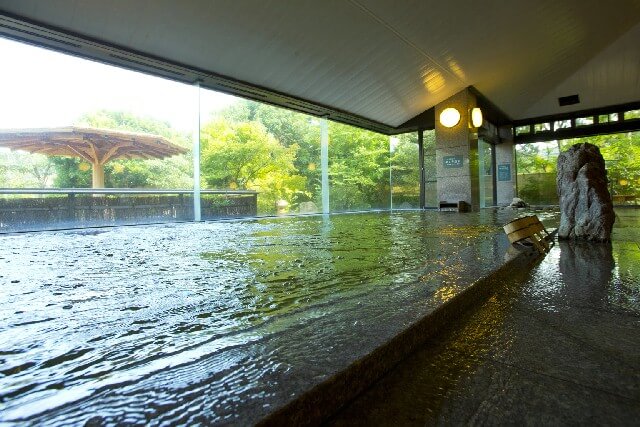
(114,191)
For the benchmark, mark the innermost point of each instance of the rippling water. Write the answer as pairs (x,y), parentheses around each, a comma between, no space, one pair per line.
(124,324)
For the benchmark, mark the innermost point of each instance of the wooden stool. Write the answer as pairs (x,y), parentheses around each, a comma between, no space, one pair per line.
(528,228)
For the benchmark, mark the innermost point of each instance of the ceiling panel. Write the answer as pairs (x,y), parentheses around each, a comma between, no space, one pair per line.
(383,60)
(612,77)
(516,54)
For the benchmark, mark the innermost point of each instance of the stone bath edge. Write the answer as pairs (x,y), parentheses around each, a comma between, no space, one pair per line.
(322,400)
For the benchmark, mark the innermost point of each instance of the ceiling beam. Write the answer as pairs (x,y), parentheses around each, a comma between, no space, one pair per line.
(423,121)
(580,132)
(490,112)
(573,131)
(619,108)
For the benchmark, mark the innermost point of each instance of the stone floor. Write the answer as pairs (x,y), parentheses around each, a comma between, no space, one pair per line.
(556,345)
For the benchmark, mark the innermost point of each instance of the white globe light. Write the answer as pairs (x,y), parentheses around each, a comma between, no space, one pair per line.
(449,117)
(476,117)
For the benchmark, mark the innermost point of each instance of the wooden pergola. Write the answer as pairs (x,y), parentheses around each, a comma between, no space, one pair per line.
(96,146)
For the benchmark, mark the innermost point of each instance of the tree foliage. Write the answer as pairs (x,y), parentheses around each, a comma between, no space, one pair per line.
(621,152)
(405,176)
(289,129)
(359,160)
(259,147)
(243,155)
(359,163)
(537,165)
(24,170)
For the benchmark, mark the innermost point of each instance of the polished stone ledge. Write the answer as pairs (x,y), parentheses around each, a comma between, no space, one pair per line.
(464,282)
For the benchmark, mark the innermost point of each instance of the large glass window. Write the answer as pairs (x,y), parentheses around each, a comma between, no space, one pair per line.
(430,170)
(88,144)
(270,150)
(405,171)
(537,166)
(358,169)
(486,171)
(84,143)
(277,153)
(45,89)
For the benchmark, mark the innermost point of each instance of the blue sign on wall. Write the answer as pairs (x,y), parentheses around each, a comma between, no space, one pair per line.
(452,161)
(504,172)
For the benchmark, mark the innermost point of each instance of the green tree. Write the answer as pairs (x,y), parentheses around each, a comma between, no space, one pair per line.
(536,166)
(289,128)
(621,152)
(73,173)
(358,168)
(405,173)
(24,170)
(359,159)
(243,155)
(537,157)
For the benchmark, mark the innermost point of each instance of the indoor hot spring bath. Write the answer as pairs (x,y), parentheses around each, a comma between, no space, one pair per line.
(223,321)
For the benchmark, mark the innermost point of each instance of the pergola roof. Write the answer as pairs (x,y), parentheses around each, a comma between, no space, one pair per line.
(97,146)
(375,63)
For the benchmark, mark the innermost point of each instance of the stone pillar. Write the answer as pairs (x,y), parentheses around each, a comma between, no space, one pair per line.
(457,153)
(505,167)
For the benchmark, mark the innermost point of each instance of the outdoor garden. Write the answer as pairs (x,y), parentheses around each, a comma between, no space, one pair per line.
(245,146)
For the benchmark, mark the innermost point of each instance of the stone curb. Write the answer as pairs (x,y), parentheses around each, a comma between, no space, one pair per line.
(323,400)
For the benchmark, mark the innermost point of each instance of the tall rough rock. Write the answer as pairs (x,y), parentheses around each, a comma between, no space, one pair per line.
(586,211)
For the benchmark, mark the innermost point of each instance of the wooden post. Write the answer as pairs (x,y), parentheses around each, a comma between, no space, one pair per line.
(98,175)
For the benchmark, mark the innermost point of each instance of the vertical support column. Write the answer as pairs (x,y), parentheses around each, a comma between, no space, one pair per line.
(474,170)
(324,162)
(505,167)
(482,187)
(457,153)
(495,176)
(393,143)
(97,175)
(197,215)
(423,177)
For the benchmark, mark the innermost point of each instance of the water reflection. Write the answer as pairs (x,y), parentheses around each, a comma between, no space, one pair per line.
(85,312)
(584,268)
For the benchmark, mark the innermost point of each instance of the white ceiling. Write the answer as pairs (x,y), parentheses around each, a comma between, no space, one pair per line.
(611,77)
(387,61)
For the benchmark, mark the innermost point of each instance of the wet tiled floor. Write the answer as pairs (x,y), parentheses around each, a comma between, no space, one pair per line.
(556,345)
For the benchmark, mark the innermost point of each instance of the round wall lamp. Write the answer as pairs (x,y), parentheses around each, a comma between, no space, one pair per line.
(476,117)
(449,117)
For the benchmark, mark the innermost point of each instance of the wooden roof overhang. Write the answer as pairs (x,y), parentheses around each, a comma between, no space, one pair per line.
(97,146)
